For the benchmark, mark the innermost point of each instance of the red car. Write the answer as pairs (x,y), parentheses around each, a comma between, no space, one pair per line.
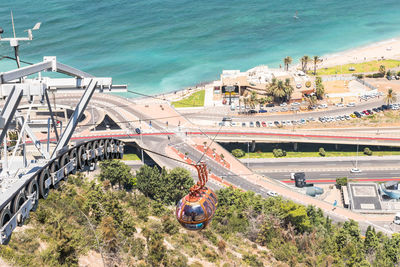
(366,112)
(263,124)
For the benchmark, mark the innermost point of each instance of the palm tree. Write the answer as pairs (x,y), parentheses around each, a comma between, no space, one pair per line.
(304,60)
(287,61)
(279,91)
(288,89)
(390,97)
(312,100)
(316,60)
(271,87)
(253,99)
(319,88)
(382,69)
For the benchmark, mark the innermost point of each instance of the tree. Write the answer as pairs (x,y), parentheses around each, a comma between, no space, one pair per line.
(109,234)
(391,97)
(167,187)
(312,101)
(288,89)
(322,152)
(371,241)
(316,60)
(287,61)
(382,70)
(279,91)
(253,99)
(116,172)
(304,60)
(320,89)
(367,151)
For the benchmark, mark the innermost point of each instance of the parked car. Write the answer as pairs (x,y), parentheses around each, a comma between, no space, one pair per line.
(288,122)
(339,105)
(251,124)
(276,123)
(273,110)
(270,105)
(358,115)
(137,130)
(353,115)
(226,119)
(347,117)
(385,107)
(258,124)
(302,121)
(322,106)
(262,111)
(370,112)
(244,124)
(376,110)
(284,109)
(263,124)
(270,124)
(284,104)
(252,111)
(283,123)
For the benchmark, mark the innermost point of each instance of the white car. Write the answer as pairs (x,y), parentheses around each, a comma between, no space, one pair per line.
(270,124)
(339,105)
(284,104)
(351,104)
(397,218)
(272,194)
(355,170)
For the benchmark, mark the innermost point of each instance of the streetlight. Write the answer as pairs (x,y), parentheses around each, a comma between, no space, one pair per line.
(248,154)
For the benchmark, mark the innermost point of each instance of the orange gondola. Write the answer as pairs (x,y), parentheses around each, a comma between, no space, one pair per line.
(195,210)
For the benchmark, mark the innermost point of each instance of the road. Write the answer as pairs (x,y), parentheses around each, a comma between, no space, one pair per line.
(215,114)
(321,164)
(329,177)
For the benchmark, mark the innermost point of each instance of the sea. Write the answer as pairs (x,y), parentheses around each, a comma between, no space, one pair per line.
(158,46)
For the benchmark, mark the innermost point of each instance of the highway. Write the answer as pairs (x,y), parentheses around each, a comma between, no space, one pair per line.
(329,177)
(320,163)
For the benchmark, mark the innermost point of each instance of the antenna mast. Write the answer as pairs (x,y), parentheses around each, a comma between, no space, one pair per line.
(14,42)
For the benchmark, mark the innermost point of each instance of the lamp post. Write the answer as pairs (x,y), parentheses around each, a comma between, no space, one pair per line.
(248,154)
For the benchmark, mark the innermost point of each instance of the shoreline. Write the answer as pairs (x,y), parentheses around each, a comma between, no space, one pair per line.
(385,49)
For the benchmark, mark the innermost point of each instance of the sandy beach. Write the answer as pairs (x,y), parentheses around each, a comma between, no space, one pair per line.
(387,49)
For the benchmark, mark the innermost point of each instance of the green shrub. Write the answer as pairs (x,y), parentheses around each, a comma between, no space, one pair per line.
(278,153)
(238,153)
(341,182)
(378,75)
(322,152)
(367,151)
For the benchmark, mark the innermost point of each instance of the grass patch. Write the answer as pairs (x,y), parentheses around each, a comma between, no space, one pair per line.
(194,100)
(370,66)
(261,155)
(130,157)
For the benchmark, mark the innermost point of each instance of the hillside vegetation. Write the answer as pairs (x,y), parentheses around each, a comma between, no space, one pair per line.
(126,220)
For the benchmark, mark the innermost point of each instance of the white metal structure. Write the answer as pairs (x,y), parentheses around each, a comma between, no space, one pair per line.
(21,185)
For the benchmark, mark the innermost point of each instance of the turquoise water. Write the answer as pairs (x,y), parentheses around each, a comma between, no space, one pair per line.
(157,46)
